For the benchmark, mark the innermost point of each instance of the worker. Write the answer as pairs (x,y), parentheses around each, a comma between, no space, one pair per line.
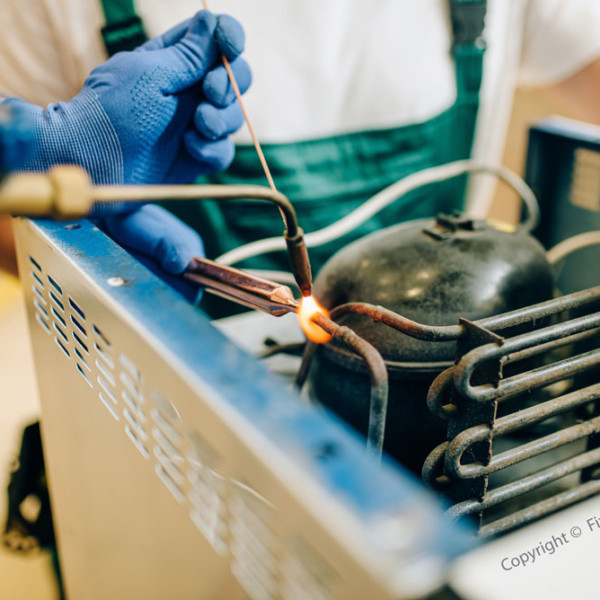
(349,96)
(162,114)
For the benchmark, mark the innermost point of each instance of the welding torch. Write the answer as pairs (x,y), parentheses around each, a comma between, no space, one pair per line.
(66,192)
(242,287)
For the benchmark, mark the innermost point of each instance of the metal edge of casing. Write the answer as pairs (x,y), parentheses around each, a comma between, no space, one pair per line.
(340,500)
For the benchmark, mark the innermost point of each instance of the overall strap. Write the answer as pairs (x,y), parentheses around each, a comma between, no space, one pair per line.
(468,47)
(124,30)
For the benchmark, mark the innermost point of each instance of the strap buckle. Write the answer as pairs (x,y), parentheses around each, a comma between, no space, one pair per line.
(468,20)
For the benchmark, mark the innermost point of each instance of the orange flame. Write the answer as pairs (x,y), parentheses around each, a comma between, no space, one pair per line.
(310,308)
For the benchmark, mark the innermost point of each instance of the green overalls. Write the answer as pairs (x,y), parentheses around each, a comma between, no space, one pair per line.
(327,178)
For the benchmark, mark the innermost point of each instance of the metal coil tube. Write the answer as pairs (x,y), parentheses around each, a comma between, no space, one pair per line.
(481,433)
(526,484)
(541,509)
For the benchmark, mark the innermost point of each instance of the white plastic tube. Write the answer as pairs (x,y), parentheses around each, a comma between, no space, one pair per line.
(572,244)
(384,198)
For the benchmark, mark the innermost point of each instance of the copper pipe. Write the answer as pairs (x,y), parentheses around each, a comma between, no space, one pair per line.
(379,314)
(379,380)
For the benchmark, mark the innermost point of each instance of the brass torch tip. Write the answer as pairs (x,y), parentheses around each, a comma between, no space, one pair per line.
(300,263)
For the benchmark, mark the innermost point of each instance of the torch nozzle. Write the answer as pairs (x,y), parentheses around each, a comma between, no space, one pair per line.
(299,261)
(242,287)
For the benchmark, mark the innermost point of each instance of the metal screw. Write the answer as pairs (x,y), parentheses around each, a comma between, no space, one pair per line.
(116,281)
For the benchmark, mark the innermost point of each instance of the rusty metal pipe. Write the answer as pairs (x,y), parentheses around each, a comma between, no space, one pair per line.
(550,346)
(540,412)
(448,333)
(526,484)
(542,310)
(518,384)
(541,509)
(379,314)
(436,392)
(480,433)
(534,339)
(511,423)
(379,380)
(445,333)
(433,467)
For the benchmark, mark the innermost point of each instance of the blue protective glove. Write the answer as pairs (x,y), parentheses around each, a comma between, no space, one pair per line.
(160,114)
(160,241)
(16,139)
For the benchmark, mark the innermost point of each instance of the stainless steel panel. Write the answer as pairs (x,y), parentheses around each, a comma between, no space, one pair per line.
(180,468)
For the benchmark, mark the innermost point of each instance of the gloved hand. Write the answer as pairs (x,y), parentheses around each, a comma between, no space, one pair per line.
(160,114)
(16,139)
(160,241)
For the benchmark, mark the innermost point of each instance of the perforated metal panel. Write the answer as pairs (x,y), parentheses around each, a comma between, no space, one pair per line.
(180,468)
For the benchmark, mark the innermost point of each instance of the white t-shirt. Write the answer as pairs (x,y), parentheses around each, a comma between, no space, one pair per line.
(323,67)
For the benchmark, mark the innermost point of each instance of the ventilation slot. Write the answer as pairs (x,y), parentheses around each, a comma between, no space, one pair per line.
(39,294)
(39,301)
(55,285)
(58,316)
(169,474)
(108,405)
(134,407)
(40,320)
(60,332)
(167,407)
(37,279)
(40,308)
(35,264)
(165,427)
(104,370)
(136,441)
(84,362)
(168,450)
(59,344)
(106,394)
(56,301)
(83,373)
(132,388)
(102,336)
(105,365)
(136,425)
(81,343)
(169,483)
(130,367)
(76,308)
(165,415)
(105,386)
(79,326)
(104,356)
